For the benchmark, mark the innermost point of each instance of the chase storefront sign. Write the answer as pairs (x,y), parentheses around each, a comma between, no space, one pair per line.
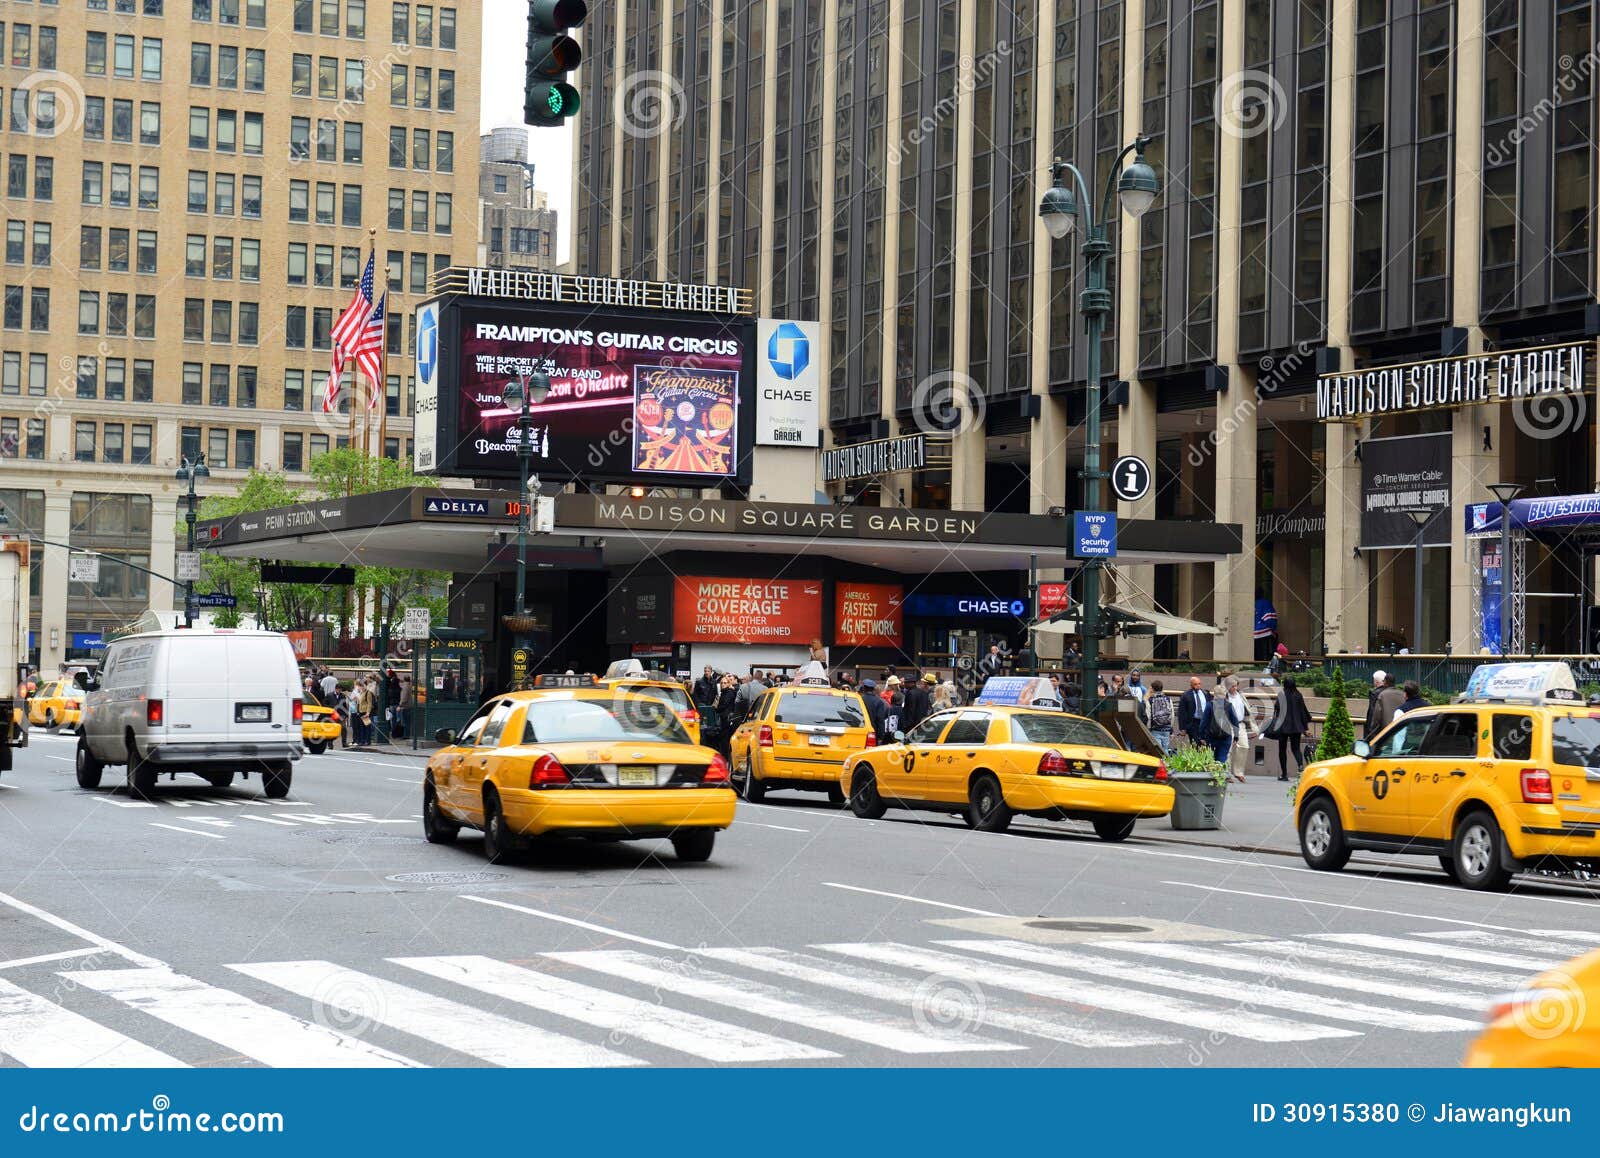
(1449,382)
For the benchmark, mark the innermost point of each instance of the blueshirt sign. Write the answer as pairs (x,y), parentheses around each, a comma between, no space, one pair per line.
(442,508)
(1094,534)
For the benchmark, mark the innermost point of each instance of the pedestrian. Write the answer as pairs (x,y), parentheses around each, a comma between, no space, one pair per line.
(941,697)
(877,710)
(993,663)
(1156,712)
(1290,722)
(1280,661)
(1368,729)
(918,701)
(1413,700)
(1266,627)
(749,692)
(1194,713)
(344,711)
(408,701)
(892,721)
(1136,687)
(706,687)
(1385,701)
(727,713)
(361,708)
(330,685)
(891,688)
(1232,743)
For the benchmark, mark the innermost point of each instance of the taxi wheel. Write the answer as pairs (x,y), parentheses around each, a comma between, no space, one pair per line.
(498,843)
(864,799)
(1113,828)
(1449,867)
(750,788)
(49,718)
(1476,852)
(694,845)
(316,747)
(986,808)
(835,794)
(435,828)
(89,769)
(1322,842)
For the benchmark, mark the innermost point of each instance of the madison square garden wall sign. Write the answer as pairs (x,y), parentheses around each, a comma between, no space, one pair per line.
(646,395)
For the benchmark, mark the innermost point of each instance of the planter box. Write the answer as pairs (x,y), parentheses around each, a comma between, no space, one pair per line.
(1198,802)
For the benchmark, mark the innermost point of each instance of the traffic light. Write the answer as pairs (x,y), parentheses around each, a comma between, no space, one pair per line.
(552,53)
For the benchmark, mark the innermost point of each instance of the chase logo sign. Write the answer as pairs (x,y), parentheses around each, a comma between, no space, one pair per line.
(427,344)
(788,351)
(442,508)
(788,383)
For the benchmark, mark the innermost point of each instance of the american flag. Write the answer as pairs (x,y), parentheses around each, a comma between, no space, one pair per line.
(347,332)
(369,351)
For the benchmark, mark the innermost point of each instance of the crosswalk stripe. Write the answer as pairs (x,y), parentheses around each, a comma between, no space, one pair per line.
(1268,966)
(864,981)
(41,1034)
(894,1032)
(1246,996)
(1557,950)
(266,1035)
(1476,976)
(1156,1007)
(1433,949)
(685,1032)
(475,1032)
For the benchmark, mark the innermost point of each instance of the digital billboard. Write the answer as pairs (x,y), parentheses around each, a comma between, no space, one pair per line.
(637,396)
(715,610)
(867,614)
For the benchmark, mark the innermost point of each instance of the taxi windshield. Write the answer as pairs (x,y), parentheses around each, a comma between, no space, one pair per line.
(580,721)
(674,697)
(819,708)
(1053,728)
(1575,741)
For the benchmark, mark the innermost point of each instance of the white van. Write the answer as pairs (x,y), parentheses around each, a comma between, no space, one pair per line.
(212,703)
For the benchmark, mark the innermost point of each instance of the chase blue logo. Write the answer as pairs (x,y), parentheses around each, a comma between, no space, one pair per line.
(428,343)
(789,351)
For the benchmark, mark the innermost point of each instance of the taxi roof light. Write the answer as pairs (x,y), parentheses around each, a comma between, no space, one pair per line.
(547,772)
(1052,763)
(1536,787)
(716,772)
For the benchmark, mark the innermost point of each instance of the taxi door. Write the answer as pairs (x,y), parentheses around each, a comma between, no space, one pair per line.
(484,758)
(903,779)
(1449,762)
(1377,788)
(1575,765)
(446,765)
(742,746)
(943,778)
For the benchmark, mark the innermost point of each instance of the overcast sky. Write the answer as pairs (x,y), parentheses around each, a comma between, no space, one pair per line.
(505,40)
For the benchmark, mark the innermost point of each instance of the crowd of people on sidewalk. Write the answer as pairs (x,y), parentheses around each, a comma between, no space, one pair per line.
(359,703)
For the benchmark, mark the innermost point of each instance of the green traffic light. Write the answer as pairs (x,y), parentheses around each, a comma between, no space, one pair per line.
(554,102)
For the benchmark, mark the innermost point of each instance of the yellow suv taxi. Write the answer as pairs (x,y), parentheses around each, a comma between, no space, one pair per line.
(319,727)
(56,704)
(1012,752)
(1552,1022)
(799,736)
(630,676)
(571,758)
(1504,779)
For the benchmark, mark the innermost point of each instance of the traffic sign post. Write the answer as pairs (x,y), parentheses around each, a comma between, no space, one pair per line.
(418,623)
(188,566)
(225,602)
(1130,478)
(1094,534)
(83,568)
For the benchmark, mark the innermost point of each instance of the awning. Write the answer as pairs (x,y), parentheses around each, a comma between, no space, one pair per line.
(1164,624)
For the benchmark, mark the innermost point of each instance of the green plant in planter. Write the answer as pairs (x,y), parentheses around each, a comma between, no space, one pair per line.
(1338,733)
(1197,758)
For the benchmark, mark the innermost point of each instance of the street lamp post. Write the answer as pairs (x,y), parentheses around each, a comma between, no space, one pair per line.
(1505,492)
(1419,517)
(191,472)
(1137,186)
(530,388)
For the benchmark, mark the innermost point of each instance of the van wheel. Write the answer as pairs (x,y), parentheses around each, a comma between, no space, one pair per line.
(1477,851)
(219,779)
(435,828)
(752,789)
(89,768)
(316,747)
(1113,828)
(986,806)
(694,845)
(498,843)
(275,780)
(1322,842)
(141,774)
(864,799)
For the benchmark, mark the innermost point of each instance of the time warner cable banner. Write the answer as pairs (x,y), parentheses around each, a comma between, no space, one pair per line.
(1127,1111)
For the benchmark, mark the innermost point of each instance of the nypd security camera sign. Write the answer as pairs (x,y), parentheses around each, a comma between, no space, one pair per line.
(788,383)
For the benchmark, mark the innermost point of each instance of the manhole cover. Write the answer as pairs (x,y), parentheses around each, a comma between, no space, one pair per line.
(358,837)
(1086,927)
(444,878)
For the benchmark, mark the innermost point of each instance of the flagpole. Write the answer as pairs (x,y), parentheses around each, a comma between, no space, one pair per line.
(366,416)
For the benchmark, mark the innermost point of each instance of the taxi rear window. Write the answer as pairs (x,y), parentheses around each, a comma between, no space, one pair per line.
(1040,728)
(586,720)
(819,708)
(675,698)
(1575,741)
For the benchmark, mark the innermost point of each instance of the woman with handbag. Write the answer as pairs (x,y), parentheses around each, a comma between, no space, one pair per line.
(1290,723)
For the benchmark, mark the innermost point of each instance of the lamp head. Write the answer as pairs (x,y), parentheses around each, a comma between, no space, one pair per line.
(538,387)
(511,395)
(1138,184)
(1059,208)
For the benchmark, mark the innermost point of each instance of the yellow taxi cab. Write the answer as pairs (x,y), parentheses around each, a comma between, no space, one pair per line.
(58,703)
(1552,1022)
(1012,752)
(1505,778)
(570,758)
(629,675)
(319,727)
(799,736)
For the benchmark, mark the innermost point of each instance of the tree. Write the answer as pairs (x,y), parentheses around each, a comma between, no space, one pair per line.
(292,607)
(1338,733)
(350,472)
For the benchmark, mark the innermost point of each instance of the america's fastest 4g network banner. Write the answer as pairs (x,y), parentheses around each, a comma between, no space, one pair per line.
(633,396)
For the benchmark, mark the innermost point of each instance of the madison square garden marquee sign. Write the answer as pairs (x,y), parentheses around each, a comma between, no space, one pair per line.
(1502,376)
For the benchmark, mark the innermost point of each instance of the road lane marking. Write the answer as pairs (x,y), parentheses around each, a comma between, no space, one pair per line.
(1240,960)
(1339,905)
(1567,947)
(1249,996)
(646,1020)
(123,803)
(897,1032)
(918,900)
(40,1034)
(1233,1022)
(996,1010)
(573,921)
(78,931)
(1447,952)
(779,827)
(263,1034)
(463,1028)
(1385,965)
(46,957)
(268,820)
(190,831)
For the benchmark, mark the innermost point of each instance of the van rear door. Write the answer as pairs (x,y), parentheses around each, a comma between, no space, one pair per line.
(231,689)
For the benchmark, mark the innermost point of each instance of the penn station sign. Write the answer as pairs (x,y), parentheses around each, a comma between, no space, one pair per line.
(1445,383)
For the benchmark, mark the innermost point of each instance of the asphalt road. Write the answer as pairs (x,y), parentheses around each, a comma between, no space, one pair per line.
(216,928)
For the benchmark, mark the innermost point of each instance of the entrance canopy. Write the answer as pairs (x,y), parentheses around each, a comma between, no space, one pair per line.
(1565,515)
(469,530)
(1164,624)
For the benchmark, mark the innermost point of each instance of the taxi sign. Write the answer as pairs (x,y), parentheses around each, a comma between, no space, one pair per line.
(814,682)
(1018,692)
(624,668)
(810,671)
(1522,682)
(565,681)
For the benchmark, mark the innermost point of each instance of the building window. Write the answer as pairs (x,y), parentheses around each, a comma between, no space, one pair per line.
(116,379)
(294,327)
(139,445)
(88,378)
(217,448)
(189,443)
(193,379)
(83,441)
(294,390)
(144,380)
(293,451)
(111,442)
(194,320)
(221,383)
(88,312)
(249,323)
(194,256)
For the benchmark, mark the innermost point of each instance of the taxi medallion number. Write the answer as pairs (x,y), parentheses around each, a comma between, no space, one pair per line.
(638,776)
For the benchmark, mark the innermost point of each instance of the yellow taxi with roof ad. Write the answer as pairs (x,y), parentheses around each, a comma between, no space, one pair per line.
(1012,752)
(57,704)
(319,727)
(571,758)
(629,675)
(1552,1022)
(799,736)
(1504,779)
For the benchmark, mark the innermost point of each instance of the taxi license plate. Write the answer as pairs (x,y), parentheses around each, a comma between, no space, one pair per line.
(1114,771)
(820,741)
(636,777)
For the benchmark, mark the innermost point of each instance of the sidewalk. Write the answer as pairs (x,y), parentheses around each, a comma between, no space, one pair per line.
(1256,817)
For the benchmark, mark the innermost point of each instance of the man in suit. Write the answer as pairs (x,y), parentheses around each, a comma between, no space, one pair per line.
(1386,702)
(1194,713)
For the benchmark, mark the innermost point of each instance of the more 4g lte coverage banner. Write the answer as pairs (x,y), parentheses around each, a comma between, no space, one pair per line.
(707,610)
(633,396)
(867,614)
